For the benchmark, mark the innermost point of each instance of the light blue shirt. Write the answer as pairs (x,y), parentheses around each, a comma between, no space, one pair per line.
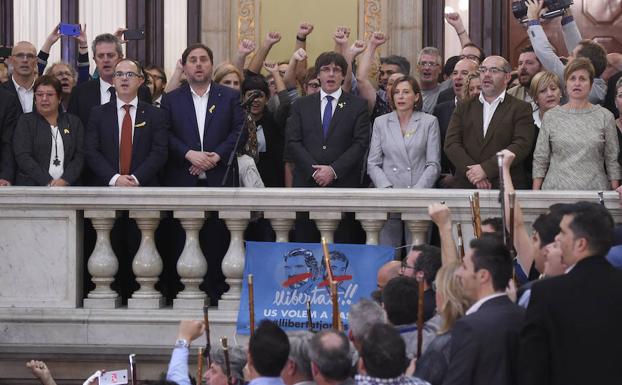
(267,381)
(178,367)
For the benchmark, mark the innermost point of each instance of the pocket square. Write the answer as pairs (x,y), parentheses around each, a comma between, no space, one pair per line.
(140,124)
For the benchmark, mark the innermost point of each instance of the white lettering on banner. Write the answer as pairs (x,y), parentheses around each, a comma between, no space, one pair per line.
(318,296)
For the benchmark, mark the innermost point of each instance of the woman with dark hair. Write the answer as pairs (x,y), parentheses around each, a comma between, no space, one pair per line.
(48,144)
(405,149)
(577,146)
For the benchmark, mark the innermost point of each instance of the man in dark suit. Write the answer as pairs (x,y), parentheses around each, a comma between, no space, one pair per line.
(24,60)
(486,125)
(206,119)
(126,139)
(484,343)
(571,333)
(10,110)
(328,132)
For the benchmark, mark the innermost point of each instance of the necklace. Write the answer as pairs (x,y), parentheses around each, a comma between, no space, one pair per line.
(56,161)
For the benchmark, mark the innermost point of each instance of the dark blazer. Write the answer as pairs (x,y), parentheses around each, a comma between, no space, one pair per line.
(344,148)
(484,345)
(223,121)
(85,96)
(446,95)
(271,165)
(511,127)
(10,87)
(443,112)
(149,144)
(32,144)
(572,332)
(10,110)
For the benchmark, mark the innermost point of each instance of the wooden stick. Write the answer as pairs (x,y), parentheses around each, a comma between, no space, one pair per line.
(309,319)
(251,304)
(225,350)
(421,282)
(460,240)
(133,374)
(208,343)
(333,286)
(512,203)
(200,367)
(477,216)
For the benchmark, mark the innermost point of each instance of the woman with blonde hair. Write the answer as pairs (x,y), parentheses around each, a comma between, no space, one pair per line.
(546,92)
(451,304)
(472,86)
(228,75)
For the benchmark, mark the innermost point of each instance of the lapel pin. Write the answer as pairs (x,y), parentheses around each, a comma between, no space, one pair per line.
(342,104)
(65,131)
(142,124)
(212,108)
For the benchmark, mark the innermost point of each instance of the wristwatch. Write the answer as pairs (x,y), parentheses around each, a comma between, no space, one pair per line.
(181,343)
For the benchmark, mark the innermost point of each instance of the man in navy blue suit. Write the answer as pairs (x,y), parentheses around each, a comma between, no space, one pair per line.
(126,139)
(206,119)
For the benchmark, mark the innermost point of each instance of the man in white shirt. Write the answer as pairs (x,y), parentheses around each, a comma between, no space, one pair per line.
(24,60)
(481,127)
(484,343)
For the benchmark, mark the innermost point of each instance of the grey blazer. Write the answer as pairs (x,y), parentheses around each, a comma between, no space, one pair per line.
(405,161)
(32,145)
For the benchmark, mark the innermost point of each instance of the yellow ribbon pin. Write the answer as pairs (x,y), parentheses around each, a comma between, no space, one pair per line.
(66,130)
(140,124)
(211,109)
(342,104)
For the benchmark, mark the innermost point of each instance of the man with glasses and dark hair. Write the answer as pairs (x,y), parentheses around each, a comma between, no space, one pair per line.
(481,127)
(126,138)
(423,260)
(24,60)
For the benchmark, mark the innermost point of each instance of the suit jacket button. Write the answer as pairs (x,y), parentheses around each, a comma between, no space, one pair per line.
(394,169)
(323,147)
(408,186)
(408,169)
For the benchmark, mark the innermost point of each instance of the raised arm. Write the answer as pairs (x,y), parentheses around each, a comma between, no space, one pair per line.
(260,56)
(178,366)
(273,69)
(245,48)
(341,36)
(83,62)
(364,84)
(351,53)
(304,30)
(299,56)
(40,370)
(455,21)
(441,216)
(44,53)
(539,41)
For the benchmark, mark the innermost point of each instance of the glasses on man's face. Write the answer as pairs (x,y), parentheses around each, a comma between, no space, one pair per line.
(335,70)
(492,70)
(470,57)
(22,56)
(428,64)
(128,75)
(404,266)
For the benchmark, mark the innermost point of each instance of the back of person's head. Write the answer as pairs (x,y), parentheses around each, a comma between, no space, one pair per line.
(489,253)
(255,82)
(596,54)
(299,352)
(384,352)
(237,360)
(400,61)
(429,261)
(400,297)
(450,64)
(329,351)
(593,222)
(331,57)
(496,223)
(454,303)
(363,315)
(578,64)
(268,348)
(547,227)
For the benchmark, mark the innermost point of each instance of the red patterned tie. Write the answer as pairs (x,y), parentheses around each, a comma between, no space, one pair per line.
(126,142)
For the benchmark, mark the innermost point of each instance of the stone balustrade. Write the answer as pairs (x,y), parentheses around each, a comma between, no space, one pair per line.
(41,250)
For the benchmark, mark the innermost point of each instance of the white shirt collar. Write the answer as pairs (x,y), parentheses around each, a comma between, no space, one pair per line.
(336,95)
(498,99)
(121,103)
(475,307)
(209,86)
(104,85)
(18,87)
(569,268)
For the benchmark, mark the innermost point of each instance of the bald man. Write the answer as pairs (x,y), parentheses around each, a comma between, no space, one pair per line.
(387,272)
(24,61)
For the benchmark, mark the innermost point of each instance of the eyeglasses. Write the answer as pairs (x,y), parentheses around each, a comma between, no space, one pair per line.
(405,266)
(313,85)
(492,70)
(23,56)
(428,64)
(129,75)
(335,70)
(470,57)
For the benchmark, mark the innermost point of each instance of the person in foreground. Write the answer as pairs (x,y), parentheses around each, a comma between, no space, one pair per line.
(571,331)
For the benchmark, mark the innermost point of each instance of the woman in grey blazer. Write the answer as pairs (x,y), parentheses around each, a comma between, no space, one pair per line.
(48,144)
(405,149)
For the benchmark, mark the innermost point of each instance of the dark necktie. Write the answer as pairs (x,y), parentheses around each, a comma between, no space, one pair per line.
(113,93)
(126,142)
(328,115)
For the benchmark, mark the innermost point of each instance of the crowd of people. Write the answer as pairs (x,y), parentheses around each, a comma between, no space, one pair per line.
(331,125)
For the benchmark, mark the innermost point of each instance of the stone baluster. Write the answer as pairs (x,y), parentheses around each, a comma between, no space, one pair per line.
(103,263)
(147,264)
(372,224)
(192,264)
(418,228)
(282,222)
(326,222)
(233,262)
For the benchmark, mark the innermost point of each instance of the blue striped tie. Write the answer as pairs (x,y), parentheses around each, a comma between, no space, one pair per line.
(328,115)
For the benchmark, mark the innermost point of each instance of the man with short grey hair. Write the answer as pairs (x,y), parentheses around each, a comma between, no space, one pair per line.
(331,359)
(363,315)
(297,370)
(429,67)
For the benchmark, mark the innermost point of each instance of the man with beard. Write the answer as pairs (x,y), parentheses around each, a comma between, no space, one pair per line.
(528,67)
(429,67)
(301,270)
(24,60)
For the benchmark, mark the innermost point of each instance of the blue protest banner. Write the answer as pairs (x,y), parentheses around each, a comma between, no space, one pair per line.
(287,275)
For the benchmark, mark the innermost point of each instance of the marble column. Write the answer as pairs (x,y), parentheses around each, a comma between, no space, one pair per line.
(326,222)
(282,222)
(192,265)
(103,263)
(233,262)
(147,264)
(418,228)
(372,224)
